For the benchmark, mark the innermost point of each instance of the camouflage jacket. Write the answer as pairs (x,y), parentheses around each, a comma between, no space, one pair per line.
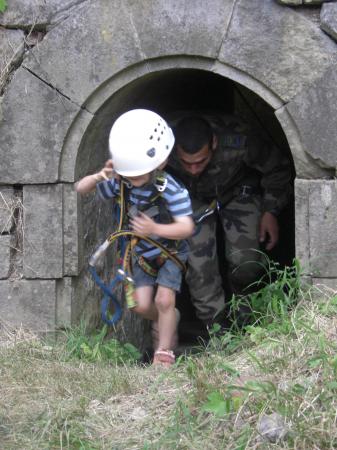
(240,159)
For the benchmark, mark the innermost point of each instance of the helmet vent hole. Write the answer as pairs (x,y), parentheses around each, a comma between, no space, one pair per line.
(155,130)
(158,139)
(151,153)
(151,137)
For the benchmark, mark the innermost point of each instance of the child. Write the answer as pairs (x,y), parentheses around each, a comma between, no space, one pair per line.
(140,142)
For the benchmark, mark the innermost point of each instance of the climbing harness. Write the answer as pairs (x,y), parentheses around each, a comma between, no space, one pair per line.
(126,242)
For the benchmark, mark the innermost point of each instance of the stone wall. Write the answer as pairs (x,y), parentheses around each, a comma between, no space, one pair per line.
(68,70)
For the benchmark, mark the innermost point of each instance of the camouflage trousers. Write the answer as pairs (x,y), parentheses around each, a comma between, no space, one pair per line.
(240,220)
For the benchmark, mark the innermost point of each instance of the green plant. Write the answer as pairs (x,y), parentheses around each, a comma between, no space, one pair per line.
(217,404)
(3,5)
(98,347)
(274,295)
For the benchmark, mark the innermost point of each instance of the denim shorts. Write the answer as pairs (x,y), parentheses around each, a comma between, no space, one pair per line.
(169,275)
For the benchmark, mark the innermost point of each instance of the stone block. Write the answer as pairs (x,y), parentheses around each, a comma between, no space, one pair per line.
(329,19)
(33,149)
(43,231)
(96,41)
(30,303)
(64,296)
(302,223)
(314,111)
(322,205)
(178,28)
(284,62)
(7,206)
(78,299)
(315,226)
(72,249)
(11,51)
(5,246)
(305,165)
(34,12)
(72,157)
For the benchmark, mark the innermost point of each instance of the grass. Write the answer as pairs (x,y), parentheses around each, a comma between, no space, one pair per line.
(283,364)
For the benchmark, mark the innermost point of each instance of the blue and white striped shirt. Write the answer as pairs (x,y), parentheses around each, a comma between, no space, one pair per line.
(177,203)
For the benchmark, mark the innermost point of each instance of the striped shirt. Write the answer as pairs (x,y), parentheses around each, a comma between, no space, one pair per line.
(176,200)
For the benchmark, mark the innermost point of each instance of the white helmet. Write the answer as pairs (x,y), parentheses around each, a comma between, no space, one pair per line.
(140,140)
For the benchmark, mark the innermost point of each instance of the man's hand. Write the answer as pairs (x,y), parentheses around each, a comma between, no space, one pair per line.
(143,224)
(269,230)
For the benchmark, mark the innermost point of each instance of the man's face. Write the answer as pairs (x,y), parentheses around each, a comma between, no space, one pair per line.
(196,163)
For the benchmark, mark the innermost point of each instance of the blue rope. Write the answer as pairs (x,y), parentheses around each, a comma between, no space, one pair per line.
(108,289)
(108,297)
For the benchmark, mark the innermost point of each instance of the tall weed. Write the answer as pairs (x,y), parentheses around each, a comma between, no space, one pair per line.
(272,298)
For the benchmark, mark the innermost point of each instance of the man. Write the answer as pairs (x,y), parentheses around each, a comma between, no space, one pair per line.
(232,174)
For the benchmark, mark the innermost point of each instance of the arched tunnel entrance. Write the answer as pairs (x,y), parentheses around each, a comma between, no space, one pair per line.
(170,92)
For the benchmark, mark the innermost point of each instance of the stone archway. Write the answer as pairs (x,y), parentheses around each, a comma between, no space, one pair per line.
(63,89)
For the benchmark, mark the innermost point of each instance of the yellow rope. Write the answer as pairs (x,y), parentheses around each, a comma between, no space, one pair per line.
(132,234)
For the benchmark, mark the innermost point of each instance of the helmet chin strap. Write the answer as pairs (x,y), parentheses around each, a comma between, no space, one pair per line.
(126,182)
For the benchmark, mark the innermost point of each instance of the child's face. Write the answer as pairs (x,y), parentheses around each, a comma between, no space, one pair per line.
(140,180)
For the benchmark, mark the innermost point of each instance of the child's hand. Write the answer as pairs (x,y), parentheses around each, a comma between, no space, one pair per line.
(108,172)
(143,224)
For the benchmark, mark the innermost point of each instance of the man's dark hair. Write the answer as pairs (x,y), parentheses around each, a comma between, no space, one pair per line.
(192,133)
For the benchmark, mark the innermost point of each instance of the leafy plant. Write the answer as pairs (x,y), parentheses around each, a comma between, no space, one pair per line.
(3,6)
(217,404)
(98,347)
(276,293)
(220,405)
